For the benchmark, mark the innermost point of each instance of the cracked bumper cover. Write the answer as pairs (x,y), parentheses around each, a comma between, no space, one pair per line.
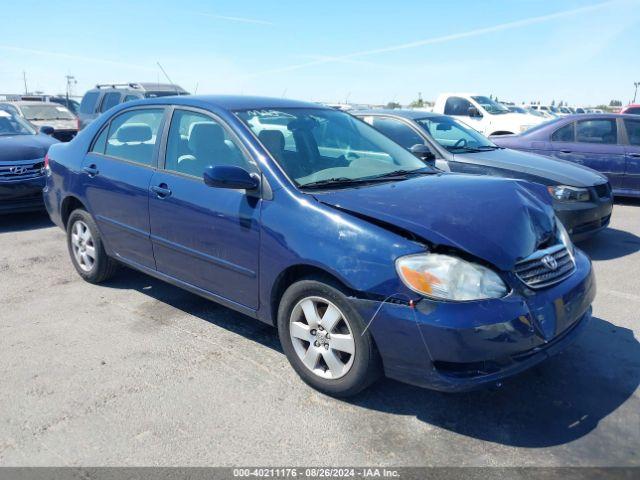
(451,346)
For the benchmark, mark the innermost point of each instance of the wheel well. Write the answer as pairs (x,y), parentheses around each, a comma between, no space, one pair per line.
(69,204)
(296,273)
(501,132)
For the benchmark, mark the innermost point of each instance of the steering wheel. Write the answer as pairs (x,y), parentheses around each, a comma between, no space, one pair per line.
(461,143)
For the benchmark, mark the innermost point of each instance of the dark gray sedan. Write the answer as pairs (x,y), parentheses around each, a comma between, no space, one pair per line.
(582,197)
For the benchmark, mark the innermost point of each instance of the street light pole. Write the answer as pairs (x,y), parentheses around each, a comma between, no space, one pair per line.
(635,84)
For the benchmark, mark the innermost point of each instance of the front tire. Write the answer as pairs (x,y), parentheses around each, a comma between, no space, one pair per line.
(87,250)
(324,339)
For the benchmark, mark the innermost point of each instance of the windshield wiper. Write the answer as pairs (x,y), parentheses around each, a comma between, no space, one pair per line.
(331,181)
(402,173)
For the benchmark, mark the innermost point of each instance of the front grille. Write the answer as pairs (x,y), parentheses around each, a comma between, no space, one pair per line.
(21,170)
(603,190)
(536,272)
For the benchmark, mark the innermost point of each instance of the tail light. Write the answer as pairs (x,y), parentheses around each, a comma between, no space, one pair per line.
(46,162)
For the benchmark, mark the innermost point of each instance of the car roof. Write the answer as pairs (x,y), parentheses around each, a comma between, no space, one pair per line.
(404,113)
(229,102)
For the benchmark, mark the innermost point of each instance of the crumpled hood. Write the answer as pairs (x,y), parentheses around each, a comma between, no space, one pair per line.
(498,220)
(24,147)
(556,171)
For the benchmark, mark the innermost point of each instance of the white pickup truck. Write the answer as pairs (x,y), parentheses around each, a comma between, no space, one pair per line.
(483,114)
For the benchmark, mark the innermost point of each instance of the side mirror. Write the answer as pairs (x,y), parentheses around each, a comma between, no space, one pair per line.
(230,177)
(473,112)
(47,130)
(421,151)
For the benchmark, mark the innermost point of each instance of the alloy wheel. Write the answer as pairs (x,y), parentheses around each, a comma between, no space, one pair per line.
(83,246)
(322,338)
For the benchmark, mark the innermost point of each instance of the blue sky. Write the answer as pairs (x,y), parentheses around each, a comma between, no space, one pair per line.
(584,52)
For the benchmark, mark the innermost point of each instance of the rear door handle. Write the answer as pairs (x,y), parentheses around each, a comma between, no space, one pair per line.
(634,155)
(565,151)
(91,170)
(161,191)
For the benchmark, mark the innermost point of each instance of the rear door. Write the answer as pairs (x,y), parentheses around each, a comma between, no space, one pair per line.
(116,176)
(207,237)
(632,154)
(596,144)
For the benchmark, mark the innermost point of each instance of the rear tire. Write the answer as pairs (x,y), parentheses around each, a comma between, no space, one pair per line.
(87,250)
(324,339)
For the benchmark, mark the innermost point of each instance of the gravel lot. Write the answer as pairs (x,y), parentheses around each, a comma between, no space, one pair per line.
(137,372)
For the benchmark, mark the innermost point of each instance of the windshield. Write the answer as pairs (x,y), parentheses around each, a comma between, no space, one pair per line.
(490,106)
(455,136)
(46,112)
(329,146)
(516,109)
(11,124)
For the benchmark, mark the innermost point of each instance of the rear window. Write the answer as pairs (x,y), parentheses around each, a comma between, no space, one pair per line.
(46,112)
(88,104)
(162,94)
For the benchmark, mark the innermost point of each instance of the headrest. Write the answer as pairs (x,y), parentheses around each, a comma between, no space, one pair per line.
(134,132)
(206,135)
(272,139)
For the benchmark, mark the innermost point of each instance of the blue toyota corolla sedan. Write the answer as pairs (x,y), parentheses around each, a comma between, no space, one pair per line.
(309,219)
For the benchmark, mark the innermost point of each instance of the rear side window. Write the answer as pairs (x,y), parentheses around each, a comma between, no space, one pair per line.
(133,135)
(597,131)
(88,104)
(457,106)
(397,131)
(564,134)
(110,99)
(633,131)
(633,111)
(130,98)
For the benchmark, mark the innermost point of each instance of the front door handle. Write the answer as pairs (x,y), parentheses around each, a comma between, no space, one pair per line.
(91,170)
(634,155)
(161,191)
(565,151)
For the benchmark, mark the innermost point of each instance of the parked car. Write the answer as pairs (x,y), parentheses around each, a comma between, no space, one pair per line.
(22,152)
(39,114)
(71,104)
(363,257)
(631,109)
(608,143)
(105,96)
(581,197)
(484,114)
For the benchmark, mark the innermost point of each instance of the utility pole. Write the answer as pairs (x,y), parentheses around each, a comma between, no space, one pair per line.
(635,84)
(71,80)
(24,77)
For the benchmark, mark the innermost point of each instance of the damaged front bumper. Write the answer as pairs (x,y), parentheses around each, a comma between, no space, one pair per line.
(458,346)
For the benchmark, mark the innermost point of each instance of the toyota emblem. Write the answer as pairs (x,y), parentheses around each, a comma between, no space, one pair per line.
(549,262)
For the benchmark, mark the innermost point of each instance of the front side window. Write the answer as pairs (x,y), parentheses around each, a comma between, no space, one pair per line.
(132,136)
(327,145)
(110,99)
(88,104)
(396,130)
(633,131)
(457,106)
(12,124)
(491,106)
(455,136)
(196,142)
(564,134)
(597,131)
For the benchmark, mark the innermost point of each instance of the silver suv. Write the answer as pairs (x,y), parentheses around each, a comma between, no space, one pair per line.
(104,96)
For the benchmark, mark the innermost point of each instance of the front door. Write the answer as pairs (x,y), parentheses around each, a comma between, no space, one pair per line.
(116,175)
(207,237)
(596,146)
(632,154)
